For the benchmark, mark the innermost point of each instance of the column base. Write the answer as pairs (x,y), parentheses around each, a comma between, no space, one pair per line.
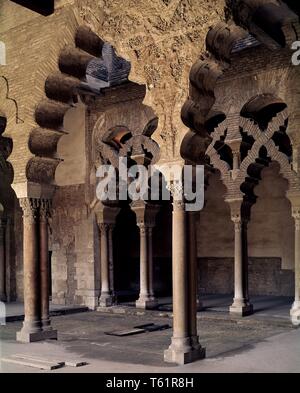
(295,314)
(146,303)
(106,300)
(182,352)
(29,337)
(241,308)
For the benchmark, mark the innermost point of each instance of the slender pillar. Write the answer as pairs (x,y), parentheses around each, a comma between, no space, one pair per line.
(8,258)
(106,298)
(111,260)
(184,347)
(2,262)
(151,267)
(193,261)
(32,325)
(146,297)
(295,311)
(44,267)
(241,305)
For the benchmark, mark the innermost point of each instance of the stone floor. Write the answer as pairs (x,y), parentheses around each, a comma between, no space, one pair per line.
(256,343)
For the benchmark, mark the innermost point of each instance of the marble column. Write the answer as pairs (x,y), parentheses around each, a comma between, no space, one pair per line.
(2,262)
(295,310)
(106,297)
(184,347)
(32,329)
(241,305)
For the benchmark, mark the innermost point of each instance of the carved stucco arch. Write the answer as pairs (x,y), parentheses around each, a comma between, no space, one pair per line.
(76,63)
(140,123)
(213,79)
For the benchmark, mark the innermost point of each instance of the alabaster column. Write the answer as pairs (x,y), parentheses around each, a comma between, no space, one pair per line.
(241,305)
(44,267)
(2,262)
(295,310)
(106,298)
(184,347)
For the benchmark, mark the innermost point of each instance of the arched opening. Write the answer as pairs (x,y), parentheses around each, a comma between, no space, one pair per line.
(126,243)
(215,237)
(271,242)
(11,286)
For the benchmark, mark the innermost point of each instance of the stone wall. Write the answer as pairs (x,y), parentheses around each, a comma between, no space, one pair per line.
(270,238)
(266,277)
(74,245)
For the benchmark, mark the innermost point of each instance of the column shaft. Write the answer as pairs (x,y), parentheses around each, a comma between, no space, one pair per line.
(111,260)
(184,348)
(106,299)
(32,325)
(241,305)
(146,297)
(44,265)
(295,311)
(150,265)
(2,263)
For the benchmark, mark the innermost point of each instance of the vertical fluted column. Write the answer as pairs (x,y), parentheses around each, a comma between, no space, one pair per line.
(106,298)
(295,311)
(240,305)
(2,262)
(183,348)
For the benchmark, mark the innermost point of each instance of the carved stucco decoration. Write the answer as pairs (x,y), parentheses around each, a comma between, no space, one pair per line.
(9,119)
(138,120)
(215,87)
(161,39)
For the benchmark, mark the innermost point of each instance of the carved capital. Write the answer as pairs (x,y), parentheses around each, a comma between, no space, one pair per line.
(30,207)
(143,228)
(296,215)
(103,227)
(45,209)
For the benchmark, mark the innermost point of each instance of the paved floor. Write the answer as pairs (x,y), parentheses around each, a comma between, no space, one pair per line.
(15,310)
(251,344)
